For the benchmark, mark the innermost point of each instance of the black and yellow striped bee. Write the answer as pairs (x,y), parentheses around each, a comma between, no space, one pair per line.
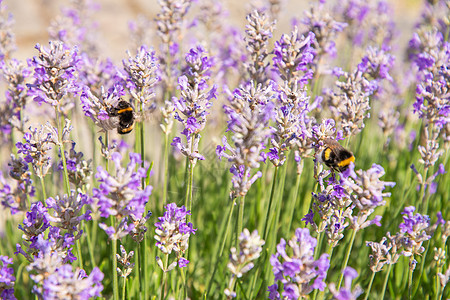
(123,116)
(335,156)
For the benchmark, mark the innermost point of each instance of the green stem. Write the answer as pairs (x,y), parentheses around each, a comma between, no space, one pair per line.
(240,219)
(278,202)
(141,131)
(292,203)
(137,267)
(347,256)
(438,286)
(44,194)
(370,286)
(269,207)
(223,238)
(107,145)
(386,281)
(146,269)
(123,287)
(164,278)
(90,246)
(80,257)
(61,150)
(410,278)
(166,168)
(114,271)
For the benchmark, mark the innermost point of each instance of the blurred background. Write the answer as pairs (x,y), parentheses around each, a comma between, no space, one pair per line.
(33,17)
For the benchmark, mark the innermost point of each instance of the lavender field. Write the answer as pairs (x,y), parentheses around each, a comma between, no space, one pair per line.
(221,150)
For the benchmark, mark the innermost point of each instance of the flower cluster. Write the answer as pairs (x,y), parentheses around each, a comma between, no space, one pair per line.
(250,247)
(259,31)
(6,278)
(15,74)
(293,55)
(346,293)
(414,230)
(332,205)
(369,22)
(78,169)
(75,25)
(172,235)
(140,77)
(170,21)
(295,274)
(120,193)
(195,101)
(248,115)
(125,261)
(16,197)
(350,105)
(366,192)
(325,28)
(54,75)
(55,280)
(67,211)
(7,37)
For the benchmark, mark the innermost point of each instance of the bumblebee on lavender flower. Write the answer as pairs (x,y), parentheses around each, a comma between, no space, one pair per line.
(123,116)
(335,156)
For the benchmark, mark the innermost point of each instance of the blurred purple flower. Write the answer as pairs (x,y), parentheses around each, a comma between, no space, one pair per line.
(7,278)
(297,271)
(345,292)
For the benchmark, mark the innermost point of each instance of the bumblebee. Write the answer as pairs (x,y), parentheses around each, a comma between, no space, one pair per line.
(124,117)
(335,156)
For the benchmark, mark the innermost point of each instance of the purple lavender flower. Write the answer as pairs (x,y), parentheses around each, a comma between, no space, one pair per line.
(67,211)
(125,261)
(170,21)
(6,278)
(64,283)
(325,28)
(54,75)
(76,25)
(78,169)
(195,101)
(293,54)
(415,226)
(297,272)
(8,40)
(248,117)
(250,247)
(97,74)
(345,292)
(55,280)
(15,74)
(258,32)
(366,187)
(15,197)
(366,192)
(172,233)
(140,77)
(120,194)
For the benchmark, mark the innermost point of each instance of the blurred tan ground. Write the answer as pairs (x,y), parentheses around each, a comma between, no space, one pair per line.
(32,17)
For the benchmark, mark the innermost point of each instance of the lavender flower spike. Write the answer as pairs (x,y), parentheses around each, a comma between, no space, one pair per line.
(299,273)
(172,233)
(346,293)
(250,247)
(6,278)
(54,75)
(120,194)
